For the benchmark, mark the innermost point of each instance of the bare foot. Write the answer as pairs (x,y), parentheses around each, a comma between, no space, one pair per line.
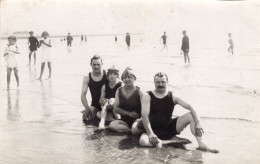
(39,79)
(207,149)
(101,126)
(8,87)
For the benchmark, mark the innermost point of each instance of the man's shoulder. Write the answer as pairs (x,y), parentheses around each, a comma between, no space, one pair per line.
(86,79)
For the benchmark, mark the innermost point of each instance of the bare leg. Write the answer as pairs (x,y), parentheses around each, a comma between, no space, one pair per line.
(185,57)
(119,126)
(9,71)
(49,66)
(188,57)
(188,119)
(137,127)
(34,55)
(30,55)
(42,69)
(16,76)
(101,125)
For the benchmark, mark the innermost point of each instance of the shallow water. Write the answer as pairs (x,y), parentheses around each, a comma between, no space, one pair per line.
(41,121)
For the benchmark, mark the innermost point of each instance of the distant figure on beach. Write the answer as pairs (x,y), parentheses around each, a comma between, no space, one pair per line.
(45,45)
(69,41)
(231,44)
(85,38)
(33,44)
(185,46)
(94,82)
(64,38)
(82,38)
(164,38)
(128,105)
(157,108)
(115,38)
(10,54)
(107,97)
(127,40)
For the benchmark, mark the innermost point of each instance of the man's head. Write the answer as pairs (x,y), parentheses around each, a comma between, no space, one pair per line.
(96,63)
(128,76)
(229,34)
(31,33)
(184,32)
(68,33)
(160,81)
(164,33)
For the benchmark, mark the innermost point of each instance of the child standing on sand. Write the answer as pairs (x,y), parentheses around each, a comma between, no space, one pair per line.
(107,97)
(46,56)
(11,63)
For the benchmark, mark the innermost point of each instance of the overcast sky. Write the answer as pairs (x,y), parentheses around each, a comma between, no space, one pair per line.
(120,16)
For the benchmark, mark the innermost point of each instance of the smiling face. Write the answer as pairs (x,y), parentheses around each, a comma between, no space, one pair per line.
(160,83)
(128,79)
(96,65)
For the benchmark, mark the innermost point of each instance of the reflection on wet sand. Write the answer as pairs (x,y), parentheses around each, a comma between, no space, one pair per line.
(13,113)
(32,73)
(46,100)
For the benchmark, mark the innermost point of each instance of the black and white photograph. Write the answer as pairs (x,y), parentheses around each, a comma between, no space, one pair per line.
(129,81)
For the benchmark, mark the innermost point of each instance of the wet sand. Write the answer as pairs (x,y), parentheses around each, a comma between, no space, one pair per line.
(40,122)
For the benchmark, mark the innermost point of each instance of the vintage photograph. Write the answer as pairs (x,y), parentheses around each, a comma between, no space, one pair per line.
(129,81)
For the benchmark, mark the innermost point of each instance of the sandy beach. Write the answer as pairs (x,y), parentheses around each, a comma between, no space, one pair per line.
(41,121)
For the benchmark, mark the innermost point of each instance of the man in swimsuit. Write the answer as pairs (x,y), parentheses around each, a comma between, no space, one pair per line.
(231,44)
(164,37)
(69,41)
(94,81)
(157,109)
(33,41)
(127,40)
(185,46)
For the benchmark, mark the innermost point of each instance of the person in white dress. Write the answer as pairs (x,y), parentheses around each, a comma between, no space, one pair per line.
(10,54)
(45,45)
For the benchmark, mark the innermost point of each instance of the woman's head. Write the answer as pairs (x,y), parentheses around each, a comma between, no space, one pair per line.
(11,39)
(45,34)
(128,76)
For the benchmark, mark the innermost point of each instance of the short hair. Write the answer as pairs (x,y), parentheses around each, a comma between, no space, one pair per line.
(184,31)
(96,57)
(161,74)
(30,32)
(45,33)
(12,37)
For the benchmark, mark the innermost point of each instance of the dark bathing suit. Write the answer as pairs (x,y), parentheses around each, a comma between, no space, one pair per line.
(127,39)
(95,90)
(33,43)
(185,44)
(110,93)
(131,104)
(164,39)
(160,116)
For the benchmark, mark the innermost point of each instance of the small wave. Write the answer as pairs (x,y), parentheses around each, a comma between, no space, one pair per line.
(236,119)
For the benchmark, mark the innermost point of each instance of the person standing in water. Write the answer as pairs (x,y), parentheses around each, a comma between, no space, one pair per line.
(85,38)
(231,44)
(45,45)
(115,38)
(69,41)
(128,40)
(164,37)
(33,44)
(185,46)
(82,38)
(11,63)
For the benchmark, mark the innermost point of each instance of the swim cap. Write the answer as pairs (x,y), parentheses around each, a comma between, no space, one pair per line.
(128,71)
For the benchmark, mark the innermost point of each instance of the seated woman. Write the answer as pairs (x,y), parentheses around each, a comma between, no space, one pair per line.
(107,97)
(128,105)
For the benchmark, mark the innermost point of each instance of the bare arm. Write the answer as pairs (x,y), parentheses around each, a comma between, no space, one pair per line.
(84,92)
(117,109)
(145,114)
(187,106)
(16,51)
(48,44)
(102,100)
